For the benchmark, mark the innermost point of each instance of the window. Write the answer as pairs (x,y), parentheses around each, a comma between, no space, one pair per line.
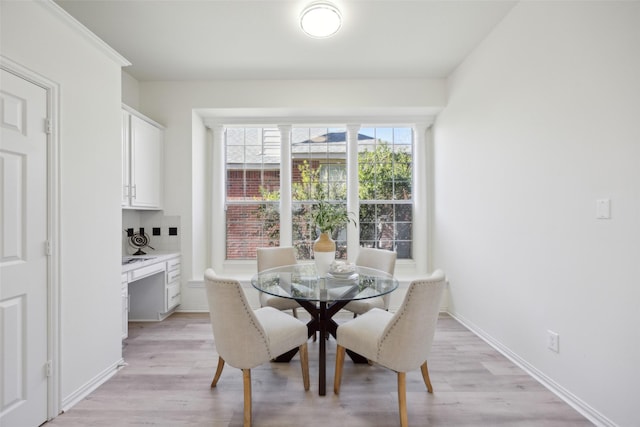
(252,190)
(318,171)
(385,181)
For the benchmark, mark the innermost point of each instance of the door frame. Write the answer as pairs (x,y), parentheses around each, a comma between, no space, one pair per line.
(53,228)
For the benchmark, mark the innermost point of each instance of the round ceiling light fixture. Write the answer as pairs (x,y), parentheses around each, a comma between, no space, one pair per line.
(320,19)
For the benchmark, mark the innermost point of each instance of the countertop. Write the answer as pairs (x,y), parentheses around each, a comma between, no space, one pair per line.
(149,259)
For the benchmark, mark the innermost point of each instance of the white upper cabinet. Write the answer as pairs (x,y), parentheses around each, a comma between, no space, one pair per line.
(142,156)
(126,182)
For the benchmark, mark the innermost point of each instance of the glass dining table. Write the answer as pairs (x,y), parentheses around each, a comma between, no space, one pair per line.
(322,298)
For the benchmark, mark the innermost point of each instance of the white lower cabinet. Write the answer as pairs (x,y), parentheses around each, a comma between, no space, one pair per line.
(125,306)
(173,284)
(154,289)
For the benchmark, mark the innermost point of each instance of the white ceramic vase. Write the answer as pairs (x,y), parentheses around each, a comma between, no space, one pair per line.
(324,253)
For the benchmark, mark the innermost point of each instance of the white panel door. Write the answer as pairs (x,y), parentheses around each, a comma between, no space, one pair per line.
(23,259)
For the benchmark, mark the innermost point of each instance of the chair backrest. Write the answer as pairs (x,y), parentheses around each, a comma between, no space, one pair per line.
(275,257)
(406,340)
(239,337)
(380,259)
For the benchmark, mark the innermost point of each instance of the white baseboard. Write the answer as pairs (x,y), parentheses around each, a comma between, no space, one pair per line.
(571,399)
(75,397)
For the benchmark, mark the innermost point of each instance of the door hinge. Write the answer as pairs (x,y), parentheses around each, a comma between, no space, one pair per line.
(48,127)
(47,248)
(48,368)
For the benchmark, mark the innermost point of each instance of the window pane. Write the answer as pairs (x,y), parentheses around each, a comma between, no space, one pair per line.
(386,226)
(250,226)
(253,174)
(385,185)
(319,172)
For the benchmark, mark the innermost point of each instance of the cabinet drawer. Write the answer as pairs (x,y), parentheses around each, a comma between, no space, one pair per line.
(146,271)
(173,264)
(173,276)
(173,296)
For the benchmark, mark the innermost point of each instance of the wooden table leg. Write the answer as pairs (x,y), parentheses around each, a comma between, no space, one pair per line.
(322,357)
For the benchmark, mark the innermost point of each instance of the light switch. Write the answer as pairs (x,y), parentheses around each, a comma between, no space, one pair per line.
(603,209)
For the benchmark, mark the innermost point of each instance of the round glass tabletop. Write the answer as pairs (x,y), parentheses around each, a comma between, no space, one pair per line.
(301,282)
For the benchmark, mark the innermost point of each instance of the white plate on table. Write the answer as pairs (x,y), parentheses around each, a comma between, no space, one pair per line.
(343,277)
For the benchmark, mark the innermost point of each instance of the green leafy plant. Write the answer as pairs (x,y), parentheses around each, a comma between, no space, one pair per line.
(329,217)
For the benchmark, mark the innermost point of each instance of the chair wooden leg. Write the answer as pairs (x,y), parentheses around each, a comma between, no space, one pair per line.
(340,350)
(425,376)
(246,379)
(216,377)
(304,362)
(402,398)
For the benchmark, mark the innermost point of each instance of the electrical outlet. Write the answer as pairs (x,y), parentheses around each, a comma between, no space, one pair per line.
(553,341)
(603,209)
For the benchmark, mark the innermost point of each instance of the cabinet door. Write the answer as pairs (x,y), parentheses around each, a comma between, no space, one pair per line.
(173,296)
(172,299)
(126,184)
(125,307)
(146,164)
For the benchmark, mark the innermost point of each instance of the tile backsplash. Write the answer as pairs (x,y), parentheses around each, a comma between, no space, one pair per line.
(162,231)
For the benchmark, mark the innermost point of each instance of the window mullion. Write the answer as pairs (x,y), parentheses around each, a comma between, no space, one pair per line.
(286,234)
(353,202)
(218,194)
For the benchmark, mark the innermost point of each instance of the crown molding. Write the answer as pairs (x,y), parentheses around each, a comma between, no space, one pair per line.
(83,31)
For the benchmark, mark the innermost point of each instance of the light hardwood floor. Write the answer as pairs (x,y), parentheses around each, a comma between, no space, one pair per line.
(171,364)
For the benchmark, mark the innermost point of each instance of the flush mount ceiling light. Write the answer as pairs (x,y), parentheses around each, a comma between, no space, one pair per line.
(320,19)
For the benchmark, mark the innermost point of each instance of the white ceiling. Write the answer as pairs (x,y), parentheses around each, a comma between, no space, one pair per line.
(260,39)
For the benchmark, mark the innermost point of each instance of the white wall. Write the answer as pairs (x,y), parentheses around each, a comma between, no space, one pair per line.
(186,155)
(542,120)
(89,175)
(130,91)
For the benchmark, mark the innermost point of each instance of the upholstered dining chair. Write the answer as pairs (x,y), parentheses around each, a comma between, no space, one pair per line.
(400,341)
(275,257)
(245,338)
(380,259)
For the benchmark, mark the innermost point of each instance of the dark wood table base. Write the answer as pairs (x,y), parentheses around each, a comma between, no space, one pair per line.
(322,322)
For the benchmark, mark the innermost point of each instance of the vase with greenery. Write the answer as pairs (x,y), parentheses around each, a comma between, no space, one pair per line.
(327,217)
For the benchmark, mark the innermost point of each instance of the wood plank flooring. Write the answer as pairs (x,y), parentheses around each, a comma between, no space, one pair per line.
(171,364)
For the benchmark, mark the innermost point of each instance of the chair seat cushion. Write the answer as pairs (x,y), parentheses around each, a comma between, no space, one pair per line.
(285,332)
(279,303)
(363,333)
(364,305)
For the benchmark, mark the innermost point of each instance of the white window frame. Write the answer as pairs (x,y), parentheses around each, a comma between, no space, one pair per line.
(422,184)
